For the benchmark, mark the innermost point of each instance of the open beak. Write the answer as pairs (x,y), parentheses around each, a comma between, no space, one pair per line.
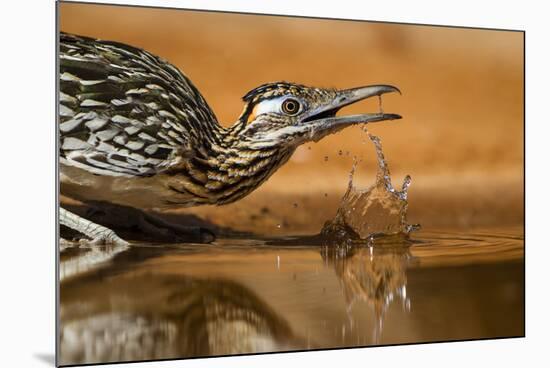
(323,120)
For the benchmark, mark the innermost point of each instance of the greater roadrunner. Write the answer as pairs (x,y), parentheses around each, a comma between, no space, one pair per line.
(134,131)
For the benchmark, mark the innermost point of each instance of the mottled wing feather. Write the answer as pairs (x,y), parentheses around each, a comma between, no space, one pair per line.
(124,111)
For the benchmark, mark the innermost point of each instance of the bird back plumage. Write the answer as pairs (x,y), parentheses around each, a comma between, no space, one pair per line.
(124,111)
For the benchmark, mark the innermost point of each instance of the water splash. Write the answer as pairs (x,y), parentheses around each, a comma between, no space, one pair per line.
(378,211)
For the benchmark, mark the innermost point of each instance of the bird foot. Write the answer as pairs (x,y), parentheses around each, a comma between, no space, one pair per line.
(108,238)
(98,234)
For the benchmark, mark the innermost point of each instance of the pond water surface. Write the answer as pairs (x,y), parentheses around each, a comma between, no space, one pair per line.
(157,301)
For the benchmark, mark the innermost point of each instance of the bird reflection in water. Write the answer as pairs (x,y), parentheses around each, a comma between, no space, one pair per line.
(106,316)
(375,275)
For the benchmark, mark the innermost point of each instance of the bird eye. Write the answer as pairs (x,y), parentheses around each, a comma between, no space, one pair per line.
(291,106)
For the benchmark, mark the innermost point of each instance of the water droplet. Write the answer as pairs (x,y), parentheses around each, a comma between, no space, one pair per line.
(278,226)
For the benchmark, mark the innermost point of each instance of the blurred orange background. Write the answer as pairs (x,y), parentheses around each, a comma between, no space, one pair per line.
(461,136)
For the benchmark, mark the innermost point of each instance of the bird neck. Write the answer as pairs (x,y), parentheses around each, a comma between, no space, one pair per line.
(231,166)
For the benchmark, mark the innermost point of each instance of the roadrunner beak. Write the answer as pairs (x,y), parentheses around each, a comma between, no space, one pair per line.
(322,121)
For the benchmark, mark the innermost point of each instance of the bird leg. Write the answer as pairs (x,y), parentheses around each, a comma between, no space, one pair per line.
(99,234)
(143,226)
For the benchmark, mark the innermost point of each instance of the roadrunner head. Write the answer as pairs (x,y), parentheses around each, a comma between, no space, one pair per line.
(286,115)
